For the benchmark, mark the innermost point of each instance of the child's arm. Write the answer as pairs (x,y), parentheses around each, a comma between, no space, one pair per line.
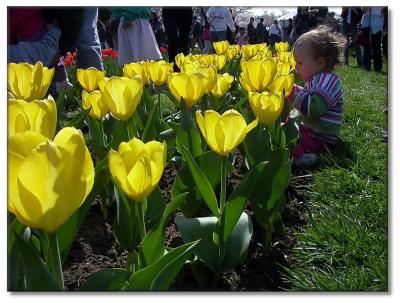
(310,104)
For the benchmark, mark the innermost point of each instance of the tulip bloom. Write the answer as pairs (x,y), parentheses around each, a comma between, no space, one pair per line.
(189,87)
(210,73)
(282,83)
(29,82)
(219,61)
(89,78)
(221,47)
(137,167)
(223,85)
(232,51)
(94,100)
(249,50)
(283,68)
(180,60)
(281,46)
(121,95)
(39,116)
(223,133)
(158,71)
(257,74)
(136,69)
(48,180)
(266,106)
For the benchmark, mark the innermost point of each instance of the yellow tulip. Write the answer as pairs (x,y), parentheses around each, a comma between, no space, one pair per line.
(208,60)
(248,51)
(89,78)
(283,68)
(221,47)
(223,133)
(210,73)
(257,74)
(136,69)
(219,61)
(281,46)
(94,100)
(223,85)
(189,87)
(137,167)
(191,66)
(266,106)
(48,180)
(262,47)
(265,53)
(158,71)
(232,51)
(29,82)
(282,83)
(180,60)
(39,116)
(121,95)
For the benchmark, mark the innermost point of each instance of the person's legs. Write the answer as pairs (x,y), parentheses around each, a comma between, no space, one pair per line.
(376,50)
(88,44)
(184,20)
(221,36)
(346,33)
(171,30)
(353,34)
(307,145)
(367,57)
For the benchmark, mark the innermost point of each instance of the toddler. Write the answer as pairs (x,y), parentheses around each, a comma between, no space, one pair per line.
(320,102)
(241,37)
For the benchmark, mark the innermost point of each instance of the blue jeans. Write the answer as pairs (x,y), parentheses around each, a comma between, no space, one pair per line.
(88,43)
(350,31)
(218,36)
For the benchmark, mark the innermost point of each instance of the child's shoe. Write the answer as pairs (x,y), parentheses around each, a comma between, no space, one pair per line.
(307,159)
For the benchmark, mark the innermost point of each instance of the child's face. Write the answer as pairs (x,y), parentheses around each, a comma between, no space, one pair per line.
(306,64)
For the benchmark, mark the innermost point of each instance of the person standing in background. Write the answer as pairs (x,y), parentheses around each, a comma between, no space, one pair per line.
(351,16)
(196,33)
(136,40)
(251,32)
(373,18)
(260,31)
(177,22)
(220,18)
(275,32)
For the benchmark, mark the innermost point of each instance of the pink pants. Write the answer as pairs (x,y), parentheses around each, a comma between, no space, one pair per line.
(307,144)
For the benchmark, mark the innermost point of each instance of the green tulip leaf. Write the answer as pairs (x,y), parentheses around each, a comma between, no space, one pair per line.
(291,129)
(256,145)
(184,181)
(236,204)
(189,138)
(278,138)
(37,276)
(118,135)
(149,132)
(202,183)
(125,230)
(107,279)
(15,279)
(152,246)
(160,275)
(78,120)
(207,251)
(155,207)
(271,186)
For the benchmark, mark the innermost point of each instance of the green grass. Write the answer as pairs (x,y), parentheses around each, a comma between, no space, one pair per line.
(344,246)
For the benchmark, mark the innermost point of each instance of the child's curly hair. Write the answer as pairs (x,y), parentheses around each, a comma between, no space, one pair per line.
(326,43)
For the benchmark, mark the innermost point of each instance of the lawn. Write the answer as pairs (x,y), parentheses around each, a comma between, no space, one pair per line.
(344,246)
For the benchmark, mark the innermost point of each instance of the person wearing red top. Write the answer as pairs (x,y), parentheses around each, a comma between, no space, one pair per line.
(25,24)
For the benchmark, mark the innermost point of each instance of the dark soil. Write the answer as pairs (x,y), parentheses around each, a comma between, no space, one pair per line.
(95,246)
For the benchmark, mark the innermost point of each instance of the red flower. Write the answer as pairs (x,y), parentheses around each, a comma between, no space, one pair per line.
(163,50)
(115,54)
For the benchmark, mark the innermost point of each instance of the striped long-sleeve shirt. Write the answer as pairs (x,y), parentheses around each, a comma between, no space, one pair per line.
(321,104)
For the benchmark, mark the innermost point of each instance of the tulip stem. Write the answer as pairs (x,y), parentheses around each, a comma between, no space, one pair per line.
(54,259)
(140,212)
(222,196)
(129,262)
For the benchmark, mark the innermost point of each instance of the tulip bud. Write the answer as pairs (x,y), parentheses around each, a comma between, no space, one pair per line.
(189,87)
(221,47)
(136,69)
(89,78)
(42,174)
(95,101)
(266,106)
(29,82)
(121,95)
(137,167)
(223,133)
(257,74)
(39,116)
(223,85)
(158,71)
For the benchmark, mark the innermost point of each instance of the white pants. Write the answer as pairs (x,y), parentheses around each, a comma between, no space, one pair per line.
(137,42)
